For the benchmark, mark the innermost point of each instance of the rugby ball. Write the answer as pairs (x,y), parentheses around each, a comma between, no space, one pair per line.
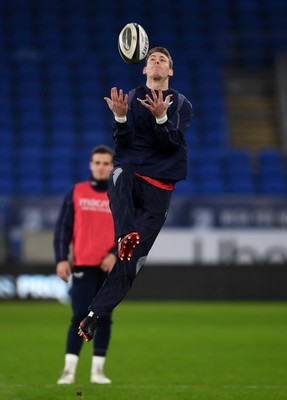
(133,43)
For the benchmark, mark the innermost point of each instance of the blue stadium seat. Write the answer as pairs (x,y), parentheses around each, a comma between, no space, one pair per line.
(58,69)
(5,72)
(6,138)
(6,169)
(241,185)
(7,187)
(212,157)
(6,154)
(49,18)
(28,88)
(247,6)
(208,170)
(238,163)
(91,138)
(60,154)
(30,153)
(276,7)
(32,170)
(63,136)
(78,36)
(63,119)
(212,84)
(271,170)
(218,16)
(60,103)
(27,69)
(273,187)
(214,140)
(211,187)
(270,155)
(5,89)
(31,122)
(89,88)
(192,138)
(82,173)
(28,104)
(212,105)
(60,186)
(270,161)
(60,170)
(49,35)
(189,7)
(185,188)
(28,187)
(20,38)
(60,88)
(6,123)
(76,19)
(6,111)
(30,135)
(91,121)
(87,71)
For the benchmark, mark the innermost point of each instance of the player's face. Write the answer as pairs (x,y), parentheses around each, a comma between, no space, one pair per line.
(158,67)
(101,166)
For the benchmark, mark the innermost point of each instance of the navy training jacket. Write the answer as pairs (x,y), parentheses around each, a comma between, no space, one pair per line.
(150,149)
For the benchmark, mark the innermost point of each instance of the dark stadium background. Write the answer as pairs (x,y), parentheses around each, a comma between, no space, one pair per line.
(59,58)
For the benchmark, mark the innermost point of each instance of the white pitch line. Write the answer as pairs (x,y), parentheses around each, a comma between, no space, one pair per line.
(184,386)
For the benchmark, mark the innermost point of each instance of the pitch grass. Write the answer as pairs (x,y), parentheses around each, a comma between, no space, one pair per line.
(159,351)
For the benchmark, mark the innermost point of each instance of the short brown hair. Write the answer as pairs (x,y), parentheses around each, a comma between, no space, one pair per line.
(162,50)
(102,149)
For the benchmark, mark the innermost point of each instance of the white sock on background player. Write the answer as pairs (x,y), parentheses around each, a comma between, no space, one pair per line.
(97,371)
(68,375)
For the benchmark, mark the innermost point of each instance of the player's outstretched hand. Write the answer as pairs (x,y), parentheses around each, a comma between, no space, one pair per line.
(157,105)
(118,103)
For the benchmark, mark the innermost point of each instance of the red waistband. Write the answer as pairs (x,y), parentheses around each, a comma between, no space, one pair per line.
(155,182)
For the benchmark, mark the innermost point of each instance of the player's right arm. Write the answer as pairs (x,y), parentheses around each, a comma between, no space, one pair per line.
(63,235)
(118,103)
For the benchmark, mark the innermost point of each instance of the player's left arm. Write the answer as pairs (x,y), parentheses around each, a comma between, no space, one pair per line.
(169,129)
(171,134)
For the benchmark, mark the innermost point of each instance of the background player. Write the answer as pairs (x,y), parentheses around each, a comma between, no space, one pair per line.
(85,220)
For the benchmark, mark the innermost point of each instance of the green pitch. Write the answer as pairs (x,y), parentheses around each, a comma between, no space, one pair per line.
(159,351)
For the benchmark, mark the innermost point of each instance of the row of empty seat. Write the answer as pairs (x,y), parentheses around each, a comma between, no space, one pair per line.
(59,58)
(227,172)
(236,172)
(59,96)
(252,31)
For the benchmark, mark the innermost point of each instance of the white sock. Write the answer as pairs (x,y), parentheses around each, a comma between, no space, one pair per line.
(71,362)
(98,364)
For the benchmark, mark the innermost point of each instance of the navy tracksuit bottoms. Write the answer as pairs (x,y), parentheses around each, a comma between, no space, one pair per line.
(86,282)
(136,206)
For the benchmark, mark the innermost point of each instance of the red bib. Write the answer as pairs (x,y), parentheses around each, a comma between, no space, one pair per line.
(93,235)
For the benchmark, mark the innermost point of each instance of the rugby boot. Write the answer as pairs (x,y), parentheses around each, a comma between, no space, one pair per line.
(127,244)
(88,326)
